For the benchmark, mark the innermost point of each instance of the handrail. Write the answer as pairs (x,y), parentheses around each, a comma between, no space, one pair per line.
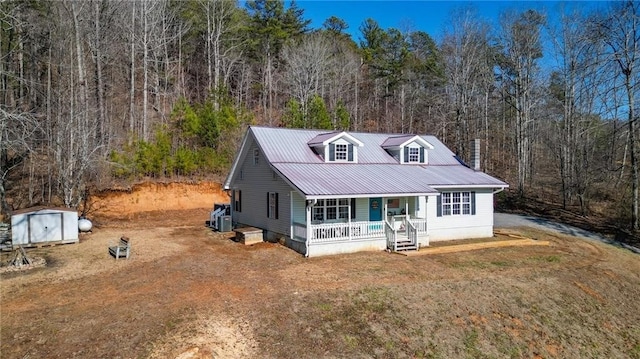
(392,236)
(412,233)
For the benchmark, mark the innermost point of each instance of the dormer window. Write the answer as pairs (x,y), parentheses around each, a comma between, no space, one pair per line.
(341,152)
(336,147)
(414,155)
(409,149)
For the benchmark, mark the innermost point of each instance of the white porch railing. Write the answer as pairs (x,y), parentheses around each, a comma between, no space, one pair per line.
(339,232)
(420,224)
(299,231)
(392,236)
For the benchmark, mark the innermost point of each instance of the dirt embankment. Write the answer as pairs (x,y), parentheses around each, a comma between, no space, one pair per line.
(155,196)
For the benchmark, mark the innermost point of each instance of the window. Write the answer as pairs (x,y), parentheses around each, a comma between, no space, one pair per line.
(457,203)
(256,157)
(272,205)
(341,152)
(238,201)
(414,154)
(330,209)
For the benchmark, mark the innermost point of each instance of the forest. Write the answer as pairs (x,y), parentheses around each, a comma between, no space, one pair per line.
(96,93)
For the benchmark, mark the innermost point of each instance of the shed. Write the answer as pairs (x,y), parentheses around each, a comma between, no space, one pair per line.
(38,226)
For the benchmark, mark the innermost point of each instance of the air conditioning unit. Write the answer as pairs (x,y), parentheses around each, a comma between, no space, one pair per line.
(224,224)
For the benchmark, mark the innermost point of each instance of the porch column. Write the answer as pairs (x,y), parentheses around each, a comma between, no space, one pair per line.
(308,224)
(406,209)
(349,219)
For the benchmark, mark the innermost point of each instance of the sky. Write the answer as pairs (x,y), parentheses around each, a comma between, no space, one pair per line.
(418,15)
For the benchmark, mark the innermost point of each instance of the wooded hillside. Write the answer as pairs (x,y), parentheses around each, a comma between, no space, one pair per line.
(93,92)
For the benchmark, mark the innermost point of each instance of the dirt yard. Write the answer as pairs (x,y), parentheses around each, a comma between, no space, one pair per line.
(188,292)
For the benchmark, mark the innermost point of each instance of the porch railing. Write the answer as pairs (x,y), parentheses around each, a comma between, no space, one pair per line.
(299,231)
(338,232)
(392,236)
(412,233)
(420,224)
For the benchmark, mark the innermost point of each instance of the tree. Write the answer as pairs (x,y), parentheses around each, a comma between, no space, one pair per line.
(619,30)
(18,132)
(468,62)
(307,64)
(522,48)
(272,26)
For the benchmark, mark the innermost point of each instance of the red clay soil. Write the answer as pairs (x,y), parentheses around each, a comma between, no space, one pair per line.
(155,196)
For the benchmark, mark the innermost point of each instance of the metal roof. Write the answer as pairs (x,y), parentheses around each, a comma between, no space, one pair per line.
(377,172)
(348,179)
(319,139)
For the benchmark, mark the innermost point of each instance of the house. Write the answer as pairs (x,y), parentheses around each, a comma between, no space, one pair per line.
(324,192)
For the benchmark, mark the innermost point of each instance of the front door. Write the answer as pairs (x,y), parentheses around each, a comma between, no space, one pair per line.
(375,209)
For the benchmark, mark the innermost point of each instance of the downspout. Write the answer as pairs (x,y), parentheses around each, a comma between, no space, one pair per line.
(498,190)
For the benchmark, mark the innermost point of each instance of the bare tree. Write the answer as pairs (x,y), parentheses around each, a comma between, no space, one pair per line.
(523,47)
(308,61)
(466,53)
(17,133)
(620,32)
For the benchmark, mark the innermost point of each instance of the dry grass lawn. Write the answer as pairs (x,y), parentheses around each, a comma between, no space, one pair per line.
(187,292)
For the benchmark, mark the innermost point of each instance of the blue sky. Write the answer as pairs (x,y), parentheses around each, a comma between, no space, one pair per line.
(428,16)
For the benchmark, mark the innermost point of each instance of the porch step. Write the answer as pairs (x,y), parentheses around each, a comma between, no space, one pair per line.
(406,246)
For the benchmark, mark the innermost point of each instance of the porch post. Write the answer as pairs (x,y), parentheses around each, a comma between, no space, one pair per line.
(349,220)
(308,225)
(406,210)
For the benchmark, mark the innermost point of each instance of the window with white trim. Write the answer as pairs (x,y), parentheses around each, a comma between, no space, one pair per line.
(330,209)
(414,155)
(456,203)
(341,152)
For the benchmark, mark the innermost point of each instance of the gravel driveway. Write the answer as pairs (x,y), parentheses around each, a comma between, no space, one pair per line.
(505,220)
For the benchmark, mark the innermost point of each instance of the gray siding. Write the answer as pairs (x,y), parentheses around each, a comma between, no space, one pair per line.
(257,181)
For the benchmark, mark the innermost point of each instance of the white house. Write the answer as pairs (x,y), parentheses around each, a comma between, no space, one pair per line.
(328,192)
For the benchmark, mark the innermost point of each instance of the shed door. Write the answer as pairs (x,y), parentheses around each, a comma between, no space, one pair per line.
(46,227)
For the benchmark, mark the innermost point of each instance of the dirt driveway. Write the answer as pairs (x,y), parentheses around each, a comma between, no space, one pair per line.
(188,292)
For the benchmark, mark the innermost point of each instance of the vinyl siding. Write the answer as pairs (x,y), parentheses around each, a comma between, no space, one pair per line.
(298,212)
(479,225)
(362,210)
(257,181)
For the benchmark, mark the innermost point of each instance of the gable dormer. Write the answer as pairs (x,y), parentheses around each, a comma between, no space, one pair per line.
(409,149)
(339,147)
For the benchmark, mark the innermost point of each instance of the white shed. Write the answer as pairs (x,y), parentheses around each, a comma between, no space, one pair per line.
(44,226)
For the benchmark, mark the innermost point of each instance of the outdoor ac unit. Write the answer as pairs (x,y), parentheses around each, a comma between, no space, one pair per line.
(224,224)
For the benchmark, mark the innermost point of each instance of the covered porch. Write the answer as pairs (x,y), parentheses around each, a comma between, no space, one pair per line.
(341,225)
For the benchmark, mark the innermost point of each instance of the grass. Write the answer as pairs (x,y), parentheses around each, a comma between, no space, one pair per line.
(573,299)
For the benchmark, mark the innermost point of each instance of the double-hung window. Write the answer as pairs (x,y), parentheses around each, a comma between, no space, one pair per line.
(341,152)
(456,203)
(414,155)
(256,156)
(272,205)
(330,209)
